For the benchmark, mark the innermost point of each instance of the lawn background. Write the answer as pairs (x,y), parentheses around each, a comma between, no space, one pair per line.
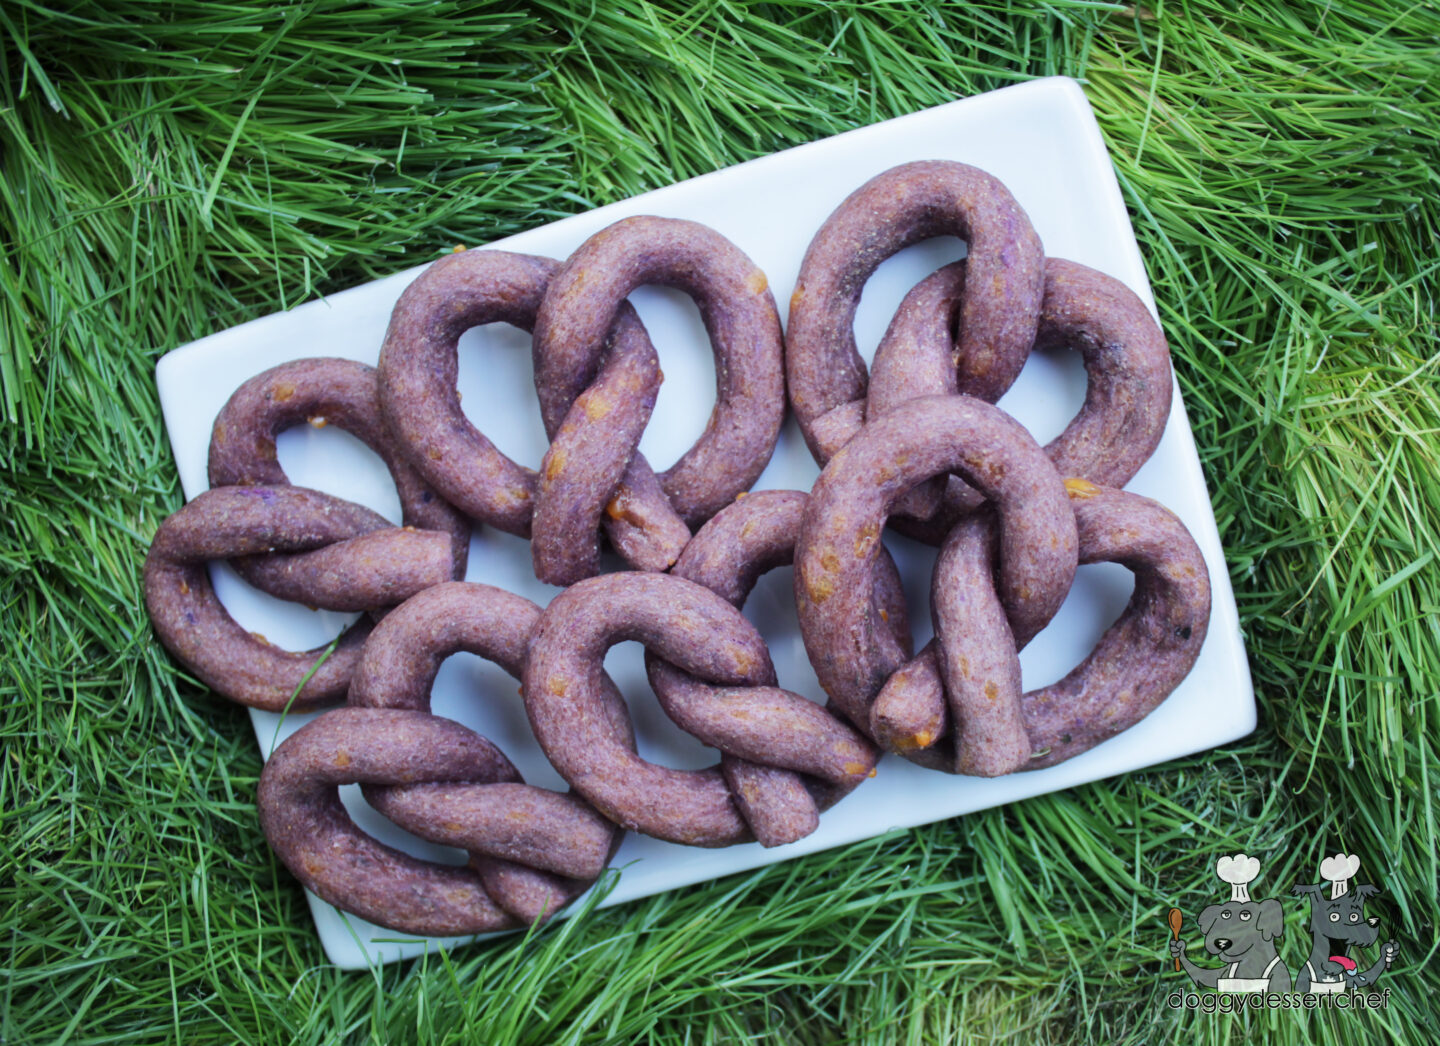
(172,169)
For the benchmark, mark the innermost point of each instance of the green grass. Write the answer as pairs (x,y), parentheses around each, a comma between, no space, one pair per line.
(173,169)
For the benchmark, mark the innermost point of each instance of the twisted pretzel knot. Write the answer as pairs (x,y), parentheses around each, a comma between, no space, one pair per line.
(739,314)
(712,667)
(852,649)
(322,391)
(964,687)
(419,366)
(531,849)
(597,376)
(349,559)
(727,556)
(444,783)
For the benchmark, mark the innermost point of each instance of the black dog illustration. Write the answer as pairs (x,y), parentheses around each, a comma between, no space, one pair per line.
(1337,923)
(1242,934)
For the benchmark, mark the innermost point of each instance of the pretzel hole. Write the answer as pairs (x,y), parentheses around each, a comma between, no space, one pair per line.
(894,279)
(331,460)
(391,834)
(1096,600)
(687,395)
(657,739)
(480,694)
(916,563)
(288,626)
(771,609)
(1048,393)
(496,383)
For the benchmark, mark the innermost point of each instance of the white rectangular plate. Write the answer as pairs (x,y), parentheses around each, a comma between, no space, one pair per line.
(1041,139)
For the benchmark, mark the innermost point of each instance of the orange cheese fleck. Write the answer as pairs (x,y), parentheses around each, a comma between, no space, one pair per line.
(596,406)
(743,661)
(865,540)
(554,462)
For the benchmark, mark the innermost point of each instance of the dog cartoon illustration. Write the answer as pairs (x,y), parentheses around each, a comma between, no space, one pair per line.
(1337,923)
(1241,932)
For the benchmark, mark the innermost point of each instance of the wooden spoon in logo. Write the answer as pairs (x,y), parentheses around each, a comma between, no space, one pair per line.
(1176,918)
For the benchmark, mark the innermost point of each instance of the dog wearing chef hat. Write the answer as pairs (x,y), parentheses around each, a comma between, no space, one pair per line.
(1241,933)
(1338,923)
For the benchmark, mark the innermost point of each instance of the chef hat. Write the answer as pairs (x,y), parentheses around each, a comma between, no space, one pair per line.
(1239,871)
(1339,870)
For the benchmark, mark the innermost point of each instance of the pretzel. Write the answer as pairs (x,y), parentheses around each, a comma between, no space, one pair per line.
(398,668)
(702,635)
(444,783)
(1127,366)
(970,674)
(727,556)
(570,330)
(902,206)
(353,560)
(850,646)
(417,374)
(321,391)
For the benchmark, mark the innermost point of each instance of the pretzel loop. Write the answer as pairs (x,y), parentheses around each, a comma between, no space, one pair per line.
(704,653)
(851,647)
(322,391)
(351,560)
(915,201)
(442,782)
(570,330)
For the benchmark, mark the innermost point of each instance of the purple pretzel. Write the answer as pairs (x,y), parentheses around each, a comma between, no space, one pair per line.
(322,391)
(582,302)
(444,783)
(418,372)
(352,560)
(701,635)
(854,653)
(970,674)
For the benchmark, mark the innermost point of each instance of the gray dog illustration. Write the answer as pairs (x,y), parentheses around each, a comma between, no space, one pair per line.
(1338,923)
(1242,933)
